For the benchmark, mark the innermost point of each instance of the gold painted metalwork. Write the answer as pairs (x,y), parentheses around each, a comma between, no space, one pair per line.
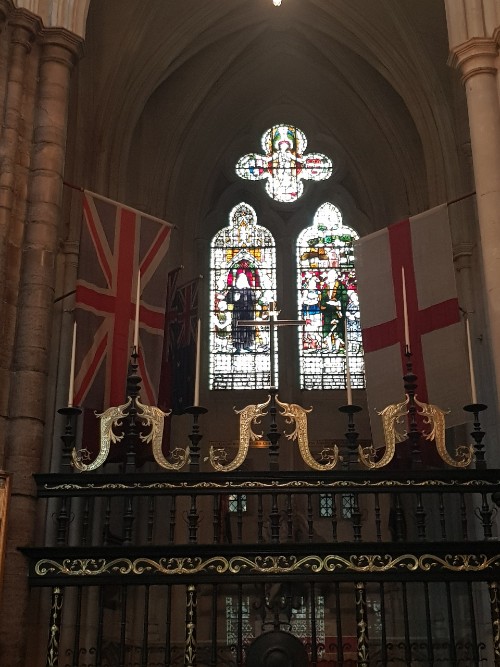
(190,646)
(363,648)
(155,418)
(392,415)
(435,417)
(248,415)
(276,484)
(298,415)
(55,628)
(495,618)
(110,418)
(269,564)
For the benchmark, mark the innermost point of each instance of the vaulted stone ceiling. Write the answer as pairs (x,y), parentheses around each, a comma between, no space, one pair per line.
(171,93)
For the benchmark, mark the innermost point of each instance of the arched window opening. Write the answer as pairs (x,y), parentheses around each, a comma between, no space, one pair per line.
(328,302)
(242,287)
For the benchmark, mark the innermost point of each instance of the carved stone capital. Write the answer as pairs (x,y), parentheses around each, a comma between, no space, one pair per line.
(476,56)
(25,27)
(62,46)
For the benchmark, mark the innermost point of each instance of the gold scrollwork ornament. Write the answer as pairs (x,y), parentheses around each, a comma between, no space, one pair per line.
(435,417)
(392,415)
(298,415)
(155,418)
(248,415)
(108,420)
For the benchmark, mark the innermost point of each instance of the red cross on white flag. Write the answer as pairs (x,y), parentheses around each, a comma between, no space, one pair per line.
(117,243)
(422,247)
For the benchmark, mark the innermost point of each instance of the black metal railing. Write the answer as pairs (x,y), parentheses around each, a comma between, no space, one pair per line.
(182,568)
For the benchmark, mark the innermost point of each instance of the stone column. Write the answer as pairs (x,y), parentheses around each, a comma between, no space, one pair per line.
(23,29)
(59,51)
(5,9)
(477,60)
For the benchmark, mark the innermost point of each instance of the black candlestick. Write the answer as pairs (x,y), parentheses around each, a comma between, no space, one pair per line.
(351,434)
(410,385)
(195,436)
(69,436)
(133,390)
(273,435)
(478,434)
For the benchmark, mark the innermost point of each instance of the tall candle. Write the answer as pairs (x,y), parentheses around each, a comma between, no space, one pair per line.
(471,363)
(198,360)
(71,389)
(405,313)
(137,306)
(347,369)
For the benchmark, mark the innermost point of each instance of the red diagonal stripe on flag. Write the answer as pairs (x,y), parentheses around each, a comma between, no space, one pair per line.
(88,377)
(151,256)
(94,229)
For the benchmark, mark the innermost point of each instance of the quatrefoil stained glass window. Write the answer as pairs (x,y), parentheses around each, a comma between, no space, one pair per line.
(284,164)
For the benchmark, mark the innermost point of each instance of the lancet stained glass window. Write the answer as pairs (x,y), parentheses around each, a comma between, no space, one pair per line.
(328,302)
(242,287)
(284,164)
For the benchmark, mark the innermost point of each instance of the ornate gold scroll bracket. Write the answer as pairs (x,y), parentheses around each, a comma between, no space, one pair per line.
(155,418)
(435,417)
(248,415)
(296,414)
(432,415)
(392,415)
(109,419)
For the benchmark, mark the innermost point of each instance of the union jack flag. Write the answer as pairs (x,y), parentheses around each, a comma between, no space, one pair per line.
(187,312)
(117,244)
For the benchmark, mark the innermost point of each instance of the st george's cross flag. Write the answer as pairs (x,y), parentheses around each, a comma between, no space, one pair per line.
(422,246)
(118,242)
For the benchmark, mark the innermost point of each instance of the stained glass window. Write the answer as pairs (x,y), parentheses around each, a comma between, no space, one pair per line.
(328,302)
(243,287)
(284,164)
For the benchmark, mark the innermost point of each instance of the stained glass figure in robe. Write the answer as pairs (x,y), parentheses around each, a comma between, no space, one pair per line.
(243,287)
(328,302)
(284,164)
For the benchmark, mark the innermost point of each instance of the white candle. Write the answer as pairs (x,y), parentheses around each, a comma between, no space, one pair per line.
(405,313)
(71,390)
(137,306)
(198,359)
(471,363)
(347,369)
